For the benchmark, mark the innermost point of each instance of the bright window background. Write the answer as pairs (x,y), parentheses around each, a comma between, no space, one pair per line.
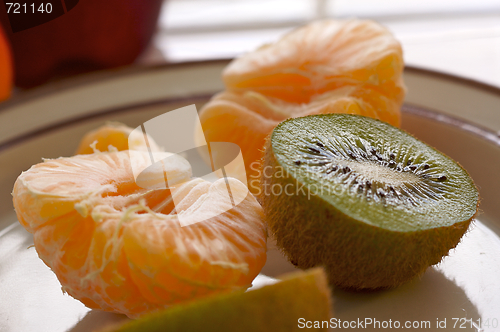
(455,36)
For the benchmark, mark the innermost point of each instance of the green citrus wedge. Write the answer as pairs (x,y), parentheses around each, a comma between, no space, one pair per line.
(298,299)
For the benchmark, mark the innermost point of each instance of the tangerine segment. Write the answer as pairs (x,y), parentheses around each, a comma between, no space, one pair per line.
(114,135)
(6,71)
(118,247)
(247,118)
(320,57)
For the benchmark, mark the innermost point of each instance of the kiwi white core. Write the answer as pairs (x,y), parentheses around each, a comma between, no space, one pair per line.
(382,174)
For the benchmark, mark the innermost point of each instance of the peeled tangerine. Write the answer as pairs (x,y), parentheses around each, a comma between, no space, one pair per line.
(118,247)
(116,135)
(329,66)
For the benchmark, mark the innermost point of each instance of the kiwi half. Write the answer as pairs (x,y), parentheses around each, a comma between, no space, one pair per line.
(368,201)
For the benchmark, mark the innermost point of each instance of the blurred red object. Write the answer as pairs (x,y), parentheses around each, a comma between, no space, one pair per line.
(5,67)
(95,34)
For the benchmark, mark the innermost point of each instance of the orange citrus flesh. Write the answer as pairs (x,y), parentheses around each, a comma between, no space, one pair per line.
(116,135)
(118,247)
(321,57)
(327,66)
(6,67)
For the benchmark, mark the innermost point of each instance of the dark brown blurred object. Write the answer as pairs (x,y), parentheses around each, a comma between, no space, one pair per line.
(94,35)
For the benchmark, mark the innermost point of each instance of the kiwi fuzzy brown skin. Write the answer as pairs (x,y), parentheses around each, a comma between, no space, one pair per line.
(355,255)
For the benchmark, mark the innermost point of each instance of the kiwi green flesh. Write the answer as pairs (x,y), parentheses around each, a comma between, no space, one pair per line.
(373,172)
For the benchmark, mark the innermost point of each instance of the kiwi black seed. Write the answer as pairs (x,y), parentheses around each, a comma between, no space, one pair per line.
(367,201)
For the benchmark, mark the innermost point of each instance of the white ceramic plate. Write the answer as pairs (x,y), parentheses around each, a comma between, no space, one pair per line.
(459,117)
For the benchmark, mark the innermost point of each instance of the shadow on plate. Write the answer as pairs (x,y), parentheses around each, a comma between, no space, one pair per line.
(97,319)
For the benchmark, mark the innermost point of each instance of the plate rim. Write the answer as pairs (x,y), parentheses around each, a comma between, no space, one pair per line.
(409,108)
(113,74)
(67,83)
